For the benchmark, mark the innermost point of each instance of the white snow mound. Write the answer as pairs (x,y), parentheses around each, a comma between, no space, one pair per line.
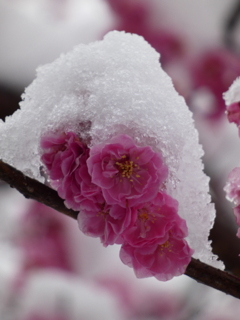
(119,86)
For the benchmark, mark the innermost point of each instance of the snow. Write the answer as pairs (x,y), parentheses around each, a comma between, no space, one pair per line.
(233,93)
(118,85)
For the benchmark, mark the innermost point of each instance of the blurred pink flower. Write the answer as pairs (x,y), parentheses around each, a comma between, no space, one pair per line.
(163,260)
(127,174)
(130,11)
(42,239)
(136,16)
(168,43)
(232,187)
(154,220)
(105,221)
(216,70)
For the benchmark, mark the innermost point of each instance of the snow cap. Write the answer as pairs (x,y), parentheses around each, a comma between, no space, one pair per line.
(112,87)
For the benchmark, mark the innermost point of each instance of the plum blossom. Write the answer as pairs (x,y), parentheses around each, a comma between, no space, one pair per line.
(216,70)
(117,187)
(155,245)
(42,239)
(65,158)
(236,211)
(154,220)
(134,17)
(131,12)
(163,260)
(127,174)
(105,221)
(57,147)
(232,100)
(233,113)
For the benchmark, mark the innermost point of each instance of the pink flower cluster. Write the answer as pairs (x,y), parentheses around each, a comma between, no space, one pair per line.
(117,187)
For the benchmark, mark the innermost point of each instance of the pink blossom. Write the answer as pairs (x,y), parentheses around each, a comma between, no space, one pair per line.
(62,155)
(131,12)
(232,187)
(236,211)
(127,174)
(134,17)
(163,260)
(105,221)
(65,157)
(233,113)
(42,239)
(154,220)
(216,70)
(168,43)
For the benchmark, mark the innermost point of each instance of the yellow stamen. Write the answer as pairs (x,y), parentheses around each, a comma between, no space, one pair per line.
(103,213)
(166,245)
(144,216)
(125,168)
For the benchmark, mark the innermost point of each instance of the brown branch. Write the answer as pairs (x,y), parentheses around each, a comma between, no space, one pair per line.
(33,189)
(215,278)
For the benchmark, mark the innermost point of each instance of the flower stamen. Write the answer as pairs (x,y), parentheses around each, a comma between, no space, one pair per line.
(102,212)
(166,245)
(125,168)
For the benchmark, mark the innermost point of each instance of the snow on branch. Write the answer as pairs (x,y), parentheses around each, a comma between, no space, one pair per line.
(105,127)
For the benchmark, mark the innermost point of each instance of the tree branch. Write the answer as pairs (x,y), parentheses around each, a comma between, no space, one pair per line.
(231,23)
(215,278)
(33,189)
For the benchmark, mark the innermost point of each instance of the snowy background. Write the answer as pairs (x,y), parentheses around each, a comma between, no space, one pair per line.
(48,269)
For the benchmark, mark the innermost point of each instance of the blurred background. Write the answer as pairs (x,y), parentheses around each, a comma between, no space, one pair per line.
(48,269)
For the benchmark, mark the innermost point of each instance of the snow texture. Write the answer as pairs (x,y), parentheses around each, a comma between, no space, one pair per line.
(118,86)
(233,93)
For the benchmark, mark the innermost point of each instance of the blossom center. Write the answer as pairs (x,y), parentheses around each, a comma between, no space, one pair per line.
(125,167)
(165,246)
(103,213)
(145,219)
(145,215)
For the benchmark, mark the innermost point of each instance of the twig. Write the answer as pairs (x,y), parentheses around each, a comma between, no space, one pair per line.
(33,189)
(230,26)
(215,278)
